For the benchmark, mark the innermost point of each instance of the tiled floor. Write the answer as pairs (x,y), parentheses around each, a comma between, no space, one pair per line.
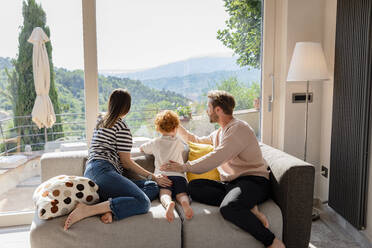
(18,182)
(324,234)
(20,197)
(334,231)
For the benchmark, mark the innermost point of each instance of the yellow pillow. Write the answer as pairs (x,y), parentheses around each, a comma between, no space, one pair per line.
(197,151)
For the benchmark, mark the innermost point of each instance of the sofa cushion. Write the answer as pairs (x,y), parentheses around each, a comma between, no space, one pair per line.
(209,229)
(146,161)
(197,151)
(60,194)
(136,231)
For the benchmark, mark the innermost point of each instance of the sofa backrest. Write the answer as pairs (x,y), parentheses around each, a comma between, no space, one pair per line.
(62,163)
(73,163)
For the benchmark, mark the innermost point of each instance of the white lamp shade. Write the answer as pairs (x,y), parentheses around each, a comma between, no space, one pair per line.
(308,63)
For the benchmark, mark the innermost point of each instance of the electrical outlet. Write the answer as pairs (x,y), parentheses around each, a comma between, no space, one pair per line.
(324,171)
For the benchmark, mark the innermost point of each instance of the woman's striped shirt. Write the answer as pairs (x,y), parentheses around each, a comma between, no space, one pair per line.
(108,142)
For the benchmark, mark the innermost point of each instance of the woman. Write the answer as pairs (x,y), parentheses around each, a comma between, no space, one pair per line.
(109,154)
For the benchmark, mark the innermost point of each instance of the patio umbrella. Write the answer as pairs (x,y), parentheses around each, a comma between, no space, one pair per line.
(42,113)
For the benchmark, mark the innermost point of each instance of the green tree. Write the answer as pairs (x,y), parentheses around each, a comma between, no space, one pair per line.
(244,96)
(243,31)
(21,80)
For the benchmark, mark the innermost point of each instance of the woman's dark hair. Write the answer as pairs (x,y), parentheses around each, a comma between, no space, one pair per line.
(118,105)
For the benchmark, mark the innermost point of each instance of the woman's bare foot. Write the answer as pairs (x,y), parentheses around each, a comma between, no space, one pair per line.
(106,218)
(80,212)
(277,244)
(260,216)
(189,213)
(169,211)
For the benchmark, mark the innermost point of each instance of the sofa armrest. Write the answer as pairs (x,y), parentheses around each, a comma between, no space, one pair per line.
(292,189)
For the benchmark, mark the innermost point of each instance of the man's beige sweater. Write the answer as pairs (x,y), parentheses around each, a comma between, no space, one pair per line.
(236,152)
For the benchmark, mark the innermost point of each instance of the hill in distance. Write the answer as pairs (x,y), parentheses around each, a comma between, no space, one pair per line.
(195,86)
(182,68)
(193,77)
(5,63)
(70,89)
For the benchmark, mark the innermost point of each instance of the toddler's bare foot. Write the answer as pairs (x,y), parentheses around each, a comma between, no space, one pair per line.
(260,216)
(189,213)
(277,244)
(169,211)
(80,212)
(106,218)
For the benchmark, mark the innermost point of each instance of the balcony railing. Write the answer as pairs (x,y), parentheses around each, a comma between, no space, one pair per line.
(15,141)
(73,129)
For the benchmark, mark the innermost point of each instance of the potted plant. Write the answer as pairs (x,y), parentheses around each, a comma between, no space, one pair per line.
(184,112)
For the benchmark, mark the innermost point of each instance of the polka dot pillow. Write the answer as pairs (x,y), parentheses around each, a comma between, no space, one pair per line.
(59,195)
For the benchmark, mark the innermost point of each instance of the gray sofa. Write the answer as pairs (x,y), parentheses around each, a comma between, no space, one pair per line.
(288,211)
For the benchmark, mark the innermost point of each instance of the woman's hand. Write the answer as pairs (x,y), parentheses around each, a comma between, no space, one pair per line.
(162,180)
(173,166)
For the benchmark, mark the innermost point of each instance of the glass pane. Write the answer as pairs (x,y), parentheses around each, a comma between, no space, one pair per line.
(168,55)
(21,141)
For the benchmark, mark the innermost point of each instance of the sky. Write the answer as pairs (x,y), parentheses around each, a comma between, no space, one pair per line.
(131,34)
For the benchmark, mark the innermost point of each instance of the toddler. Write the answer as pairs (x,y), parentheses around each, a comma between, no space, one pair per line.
(165,148)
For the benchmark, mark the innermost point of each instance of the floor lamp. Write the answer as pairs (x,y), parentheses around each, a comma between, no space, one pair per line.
(308,64)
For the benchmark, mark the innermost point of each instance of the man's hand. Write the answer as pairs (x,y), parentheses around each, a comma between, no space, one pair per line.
(162,180)
(173,166)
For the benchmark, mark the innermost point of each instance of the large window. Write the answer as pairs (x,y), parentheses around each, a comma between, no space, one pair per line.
(21,141)
(169,54)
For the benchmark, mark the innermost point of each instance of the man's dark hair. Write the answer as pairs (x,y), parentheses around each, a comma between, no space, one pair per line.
(222,99)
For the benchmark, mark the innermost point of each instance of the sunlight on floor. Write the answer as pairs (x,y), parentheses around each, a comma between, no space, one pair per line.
(15,237)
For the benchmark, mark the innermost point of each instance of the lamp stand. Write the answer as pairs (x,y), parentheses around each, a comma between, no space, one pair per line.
(306,117)
(315,212)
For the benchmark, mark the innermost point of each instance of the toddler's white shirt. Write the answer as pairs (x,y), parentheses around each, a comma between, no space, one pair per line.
(165,148)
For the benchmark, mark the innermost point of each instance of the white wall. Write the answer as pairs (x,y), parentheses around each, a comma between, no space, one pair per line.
(327,102)
(313,20)
(305,22)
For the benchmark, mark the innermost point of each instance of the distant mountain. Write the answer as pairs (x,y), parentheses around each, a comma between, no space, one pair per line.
(195,85)
(70,85)
(70,88)
(173,83)
(5,63)
(182,68)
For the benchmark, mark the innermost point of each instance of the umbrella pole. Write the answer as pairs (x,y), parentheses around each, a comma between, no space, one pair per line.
(45,135)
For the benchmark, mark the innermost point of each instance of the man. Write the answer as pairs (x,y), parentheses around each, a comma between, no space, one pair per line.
(244,174)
